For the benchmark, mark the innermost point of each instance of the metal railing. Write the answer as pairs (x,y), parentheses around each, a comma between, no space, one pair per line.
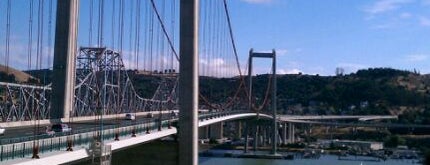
(23,147)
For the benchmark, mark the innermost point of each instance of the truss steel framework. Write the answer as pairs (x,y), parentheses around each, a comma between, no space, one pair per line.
(102,87)
(19,102)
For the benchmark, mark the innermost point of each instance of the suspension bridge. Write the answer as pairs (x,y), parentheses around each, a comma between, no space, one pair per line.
(89,63)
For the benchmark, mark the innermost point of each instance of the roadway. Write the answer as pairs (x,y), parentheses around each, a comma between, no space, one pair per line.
(27,132)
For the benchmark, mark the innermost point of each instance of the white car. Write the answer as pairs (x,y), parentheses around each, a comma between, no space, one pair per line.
(130,116)
(2,130)
(61,128)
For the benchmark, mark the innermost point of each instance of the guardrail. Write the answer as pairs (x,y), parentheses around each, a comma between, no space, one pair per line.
(18,148)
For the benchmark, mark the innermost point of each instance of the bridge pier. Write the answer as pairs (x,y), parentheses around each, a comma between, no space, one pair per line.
(203,132)
(216,131)
(284,133)
(238,128)
(245,148)
(256,130)
(291,132)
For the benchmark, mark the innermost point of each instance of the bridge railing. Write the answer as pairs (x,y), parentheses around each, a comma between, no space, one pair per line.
(18,148)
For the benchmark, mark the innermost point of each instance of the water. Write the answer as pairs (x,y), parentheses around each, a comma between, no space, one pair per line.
(323,160)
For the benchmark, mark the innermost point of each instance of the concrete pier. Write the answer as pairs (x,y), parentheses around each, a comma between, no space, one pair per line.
(216,131)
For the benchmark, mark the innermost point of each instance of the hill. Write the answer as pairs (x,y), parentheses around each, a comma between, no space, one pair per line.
(370,91)
(13,75)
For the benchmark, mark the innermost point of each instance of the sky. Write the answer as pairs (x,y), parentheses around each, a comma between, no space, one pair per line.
(316,36)
(309,36)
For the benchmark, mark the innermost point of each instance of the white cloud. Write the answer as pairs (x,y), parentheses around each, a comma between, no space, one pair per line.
(288,71)
(217,67)
(416,57)
(424,21)
(258,1)
(382,6)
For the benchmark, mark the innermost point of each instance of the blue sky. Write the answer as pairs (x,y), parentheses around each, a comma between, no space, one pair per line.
(310,36)
(316,36)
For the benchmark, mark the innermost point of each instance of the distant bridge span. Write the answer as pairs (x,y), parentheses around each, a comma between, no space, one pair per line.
(335,117)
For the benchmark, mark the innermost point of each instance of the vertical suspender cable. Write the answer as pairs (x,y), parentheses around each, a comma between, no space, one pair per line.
(113,25)
(232,37)
(130,34)
(163,28)
(30,35)
(38,35)
(8,13)
(137,35)
(90,30)
(151,42)
(101,19)
(49,37)
(41,34)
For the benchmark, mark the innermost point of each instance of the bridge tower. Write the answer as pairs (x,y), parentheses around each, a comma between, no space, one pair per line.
(271,55)
(188,82)
(63,83)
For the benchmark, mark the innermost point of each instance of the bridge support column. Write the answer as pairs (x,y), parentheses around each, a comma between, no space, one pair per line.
(264,139)
(63,85)
(188,82)
(284,133)
(203,132)
(238,128)
(245,148)
(291,132)
(256,137)
(216,131)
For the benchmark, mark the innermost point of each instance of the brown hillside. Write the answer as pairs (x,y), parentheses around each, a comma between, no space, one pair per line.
(20,76)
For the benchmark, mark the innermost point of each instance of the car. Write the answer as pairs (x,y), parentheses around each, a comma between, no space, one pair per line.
(61,128)
(2,130)
(150,115)
(130,116)
(173,114)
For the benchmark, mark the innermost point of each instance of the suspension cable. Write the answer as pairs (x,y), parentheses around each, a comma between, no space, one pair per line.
(232,37)
(8,13)
(164,29)
(30,36)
